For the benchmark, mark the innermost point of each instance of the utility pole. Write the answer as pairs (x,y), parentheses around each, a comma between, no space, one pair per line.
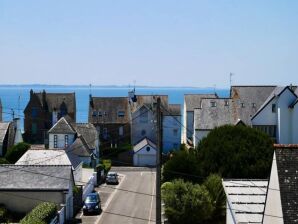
(158,162)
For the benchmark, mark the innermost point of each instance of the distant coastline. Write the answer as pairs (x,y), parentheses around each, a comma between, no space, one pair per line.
(105,86)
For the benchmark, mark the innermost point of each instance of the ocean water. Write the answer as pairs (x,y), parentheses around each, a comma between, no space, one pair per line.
(15,98)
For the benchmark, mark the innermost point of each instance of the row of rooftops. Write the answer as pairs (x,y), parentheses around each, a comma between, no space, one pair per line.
(243,104)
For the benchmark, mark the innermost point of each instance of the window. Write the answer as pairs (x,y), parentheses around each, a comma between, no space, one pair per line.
(94,113)
(242,105)
(268,129)
(66,140)
(226,103)
(144,115)
(34,128)
(121,131)
(213,104)
(34,112)
(99,113)
(253,105)
(274,108)
(55,141)
(121,113)
(175,132)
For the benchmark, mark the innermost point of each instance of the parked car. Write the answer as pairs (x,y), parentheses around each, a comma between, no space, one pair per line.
(112,178)
(92,204)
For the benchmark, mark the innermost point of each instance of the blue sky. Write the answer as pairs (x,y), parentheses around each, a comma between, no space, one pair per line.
(159,43)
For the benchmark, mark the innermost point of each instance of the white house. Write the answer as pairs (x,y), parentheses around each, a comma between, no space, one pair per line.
(277,116)
(171,128)
(191,101)
(37,156)
(214,112)
(77,138)
(144,153)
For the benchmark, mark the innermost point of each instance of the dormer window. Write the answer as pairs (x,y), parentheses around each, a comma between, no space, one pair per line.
(226,103)
(213,104)
(99,113)
(274,108)
(121,113)
(253,105)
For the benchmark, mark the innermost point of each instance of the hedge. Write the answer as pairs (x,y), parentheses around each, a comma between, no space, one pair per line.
(41,214)
(3,213)
(15,152)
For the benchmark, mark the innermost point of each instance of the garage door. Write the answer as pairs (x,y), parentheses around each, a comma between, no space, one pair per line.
(146,160)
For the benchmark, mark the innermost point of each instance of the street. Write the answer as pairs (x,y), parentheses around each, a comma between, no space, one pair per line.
(131,201)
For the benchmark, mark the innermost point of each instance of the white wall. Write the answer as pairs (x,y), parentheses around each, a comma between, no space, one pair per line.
(77,173)
(60,140)
(273,208)
(266,116)
(183,138)
(284,117)
(199,135)
(169,124)
(143,151)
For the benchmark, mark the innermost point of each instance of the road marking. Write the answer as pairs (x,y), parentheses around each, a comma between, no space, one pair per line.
(150,213)
(110,198)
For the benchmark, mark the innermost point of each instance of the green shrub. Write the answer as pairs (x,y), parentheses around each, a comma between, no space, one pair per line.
(15,152)
(41,214)
(107,163)
(186,202)
(3,161)
(3,214)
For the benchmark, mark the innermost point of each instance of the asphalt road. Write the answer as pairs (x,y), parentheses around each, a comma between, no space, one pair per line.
(134,200)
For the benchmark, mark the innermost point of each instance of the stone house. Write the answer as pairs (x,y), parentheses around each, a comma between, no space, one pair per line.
(111,117)
(43,111)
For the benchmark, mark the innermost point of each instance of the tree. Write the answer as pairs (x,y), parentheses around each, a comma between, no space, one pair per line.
(182,164)
(236,152)
(15,152)
(186,202)
(214,186)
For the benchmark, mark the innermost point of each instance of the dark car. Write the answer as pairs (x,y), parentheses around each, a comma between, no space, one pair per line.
(112,178)
(92,204)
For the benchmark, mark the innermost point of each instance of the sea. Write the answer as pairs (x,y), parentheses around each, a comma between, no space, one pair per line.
(14,98)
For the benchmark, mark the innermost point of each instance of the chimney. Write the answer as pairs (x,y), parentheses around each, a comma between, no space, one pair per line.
(31,93)
(91,100)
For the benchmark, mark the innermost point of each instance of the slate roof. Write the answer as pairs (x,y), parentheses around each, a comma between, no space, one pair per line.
(109,107)
(172,110)
(252,98)
(54,101)
(4,126)
(209,117)
(148,101)
(42,178)
(88,132)
(49,157)
(137,147)
(246,199)
(79,147)
(193,101)
(287,168)
(62,127)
